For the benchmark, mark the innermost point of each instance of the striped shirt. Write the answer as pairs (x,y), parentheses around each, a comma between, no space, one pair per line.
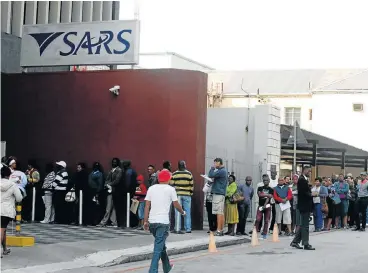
(61,181)
(183,182)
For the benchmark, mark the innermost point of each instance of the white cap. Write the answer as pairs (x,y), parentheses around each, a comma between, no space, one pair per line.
(61,163)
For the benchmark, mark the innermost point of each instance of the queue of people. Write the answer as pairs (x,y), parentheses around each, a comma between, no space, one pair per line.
(340,202)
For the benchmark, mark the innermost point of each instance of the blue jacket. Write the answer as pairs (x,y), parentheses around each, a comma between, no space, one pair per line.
(219,177)
(342,191)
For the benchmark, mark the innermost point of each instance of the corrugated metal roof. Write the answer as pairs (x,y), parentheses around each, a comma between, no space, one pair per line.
(287,81)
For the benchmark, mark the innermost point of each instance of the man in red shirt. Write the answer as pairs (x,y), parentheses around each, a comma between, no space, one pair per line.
(282,195)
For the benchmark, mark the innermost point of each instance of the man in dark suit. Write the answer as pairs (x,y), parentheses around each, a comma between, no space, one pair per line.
(304,206)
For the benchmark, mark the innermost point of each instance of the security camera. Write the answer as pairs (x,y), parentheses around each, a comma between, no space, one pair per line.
(115,90)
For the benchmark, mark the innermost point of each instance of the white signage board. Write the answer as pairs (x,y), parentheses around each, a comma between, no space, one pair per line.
(91,43)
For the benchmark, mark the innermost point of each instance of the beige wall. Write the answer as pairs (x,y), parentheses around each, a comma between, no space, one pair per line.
(329,170)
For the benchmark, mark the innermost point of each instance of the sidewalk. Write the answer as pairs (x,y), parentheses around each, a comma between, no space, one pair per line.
(45,258)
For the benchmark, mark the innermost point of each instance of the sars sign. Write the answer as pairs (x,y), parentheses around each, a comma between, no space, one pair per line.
(92,43)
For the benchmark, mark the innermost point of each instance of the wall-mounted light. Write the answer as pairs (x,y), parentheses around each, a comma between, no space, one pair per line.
(115,90)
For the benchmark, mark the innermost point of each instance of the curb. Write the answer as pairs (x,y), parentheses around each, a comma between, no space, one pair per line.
(174,251)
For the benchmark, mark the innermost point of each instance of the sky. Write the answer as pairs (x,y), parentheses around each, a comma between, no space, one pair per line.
(256,34)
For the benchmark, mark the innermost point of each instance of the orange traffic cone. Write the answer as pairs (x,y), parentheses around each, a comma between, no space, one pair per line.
(212,244)
(275,235)
(254,241)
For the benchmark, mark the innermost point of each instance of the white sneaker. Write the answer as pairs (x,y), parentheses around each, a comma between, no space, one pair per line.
(44,222)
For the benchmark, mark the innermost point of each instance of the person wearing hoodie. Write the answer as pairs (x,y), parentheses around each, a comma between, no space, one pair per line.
(96,185)
(219,175)
(10,194)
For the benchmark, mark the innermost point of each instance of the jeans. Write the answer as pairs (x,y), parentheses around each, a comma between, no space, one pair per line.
(318,217)
(160,232)
(186,203)
(267,214)
(243,209)
(49,208)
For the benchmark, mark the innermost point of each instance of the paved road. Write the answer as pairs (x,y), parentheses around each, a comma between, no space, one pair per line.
(338,252)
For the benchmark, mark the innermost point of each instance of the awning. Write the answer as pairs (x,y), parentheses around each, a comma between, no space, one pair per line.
(321,150)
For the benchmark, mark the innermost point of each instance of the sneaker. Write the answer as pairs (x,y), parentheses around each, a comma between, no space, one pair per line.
(362,229)
(264,236)
(100,225)
(189,231)
(44,222)
(219,233)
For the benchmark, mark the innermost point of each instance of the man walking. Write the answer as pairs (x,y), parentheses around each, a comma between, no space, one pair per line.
(182,181)
(219,175)
(304,206)
(156,218)
(247,192)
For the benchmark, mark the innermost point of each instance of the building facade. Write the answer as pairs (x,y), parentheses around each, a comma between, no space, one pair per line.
(332,103)
(15,14)
(159,60)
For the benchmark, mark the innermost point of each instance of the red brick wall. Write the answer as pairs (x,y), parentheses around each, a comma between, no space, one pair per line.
(159,115)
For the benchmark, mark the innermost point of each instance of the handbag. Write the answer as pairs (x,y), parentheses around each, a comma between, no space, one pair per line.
(325,208)
(235,198)
(70,196)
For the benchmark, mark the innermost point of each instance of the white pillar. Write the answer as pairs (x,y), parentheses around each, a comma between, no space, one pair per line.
(97,11)
(87,11)
(107,11)
(17,18)
(43,12)
(54,16)
(6,16)
(77,11)
(31,13)
(66,12)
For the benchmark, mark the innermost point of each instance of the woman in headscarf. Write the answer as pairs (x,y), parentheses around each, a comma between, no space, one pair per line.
(231,214)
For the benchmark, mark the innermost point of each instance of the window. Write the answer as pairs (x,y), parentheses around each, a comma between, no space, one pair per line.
(357,107)
(292,114)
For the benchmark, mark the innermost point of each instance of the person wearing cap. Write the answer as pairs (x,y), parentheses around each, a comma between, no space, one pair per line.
(60,187)
(156,218)
(140,194)
(183,182)
(361,216)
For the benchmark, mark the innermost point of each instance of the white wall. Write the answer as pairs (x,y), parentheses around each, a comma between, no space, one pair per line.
(165,60)
(150,62)
(303,102)
(246,153)
(181,63)
(333,117)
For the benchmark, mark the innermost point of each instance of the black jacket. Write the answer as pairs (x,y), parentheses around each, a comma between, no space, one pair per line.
(304,195)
